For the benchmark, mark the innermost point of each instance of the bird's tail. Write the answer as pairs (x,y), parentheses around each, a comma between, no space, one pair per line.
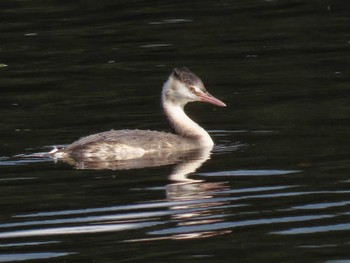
(55,153)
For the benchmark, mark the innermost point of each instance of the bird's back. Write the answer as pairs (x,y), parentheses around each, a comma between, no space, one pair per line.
(127,144)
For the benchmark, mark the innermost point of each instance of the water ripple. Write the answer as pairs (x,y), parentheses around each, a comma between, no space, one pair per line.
(76,230)
(321,205)
(32,256)
(250,173)
(229,225)
(315,229)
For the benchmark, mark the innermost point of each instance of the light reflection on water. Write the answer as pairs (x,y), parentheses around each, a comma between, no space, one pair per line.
(31,256)
(190,211)
(274,189)
(193,209)
(204,206)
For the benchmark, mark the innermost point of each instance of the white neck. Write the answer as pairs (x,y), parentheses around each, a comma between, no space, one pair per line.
(182,124)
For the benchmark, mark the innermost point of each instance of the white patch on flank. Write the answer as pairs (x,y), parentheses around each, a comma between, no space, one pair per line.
(119,152)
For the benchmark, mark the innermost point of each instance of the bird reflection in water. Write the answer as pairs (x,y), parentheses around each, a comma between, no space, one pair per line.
(197,206)
(185,162)
(192,202)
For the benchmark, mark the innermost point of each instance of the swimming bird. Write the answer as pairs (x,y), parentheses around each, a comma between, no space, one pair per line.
(182,87)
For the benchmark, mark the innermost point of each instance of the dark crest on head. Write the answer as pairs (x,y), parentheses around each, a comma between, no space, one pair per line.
(184,75)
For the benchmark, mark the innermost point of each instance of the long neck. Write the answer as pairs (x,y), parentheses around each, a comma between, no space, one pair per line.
(183,125)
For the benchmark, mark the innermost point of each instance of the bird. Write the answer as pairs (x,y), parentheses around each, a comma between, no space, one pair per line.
(181,87)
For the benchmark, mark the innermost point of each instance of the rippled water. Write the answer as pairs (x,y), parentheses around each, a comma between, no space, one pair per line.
(274,189)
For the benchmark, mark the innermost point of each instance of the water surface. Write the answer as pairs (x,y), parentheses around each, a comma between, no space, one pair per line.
(276,186)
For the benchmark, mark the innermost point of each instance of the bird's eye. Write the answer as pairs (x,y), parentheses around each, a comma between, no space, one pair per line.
(193,89)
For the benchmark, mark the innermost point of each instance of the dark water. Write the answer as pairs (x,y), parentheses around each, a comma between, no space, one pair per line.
(276,187)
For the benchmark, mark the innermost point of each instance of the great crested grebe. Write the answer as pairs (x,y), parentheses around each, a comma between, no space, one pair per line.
(182,87)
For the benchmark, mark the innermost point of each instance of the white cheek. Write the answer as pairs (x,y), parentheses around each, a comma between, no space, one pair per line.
(184,93)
